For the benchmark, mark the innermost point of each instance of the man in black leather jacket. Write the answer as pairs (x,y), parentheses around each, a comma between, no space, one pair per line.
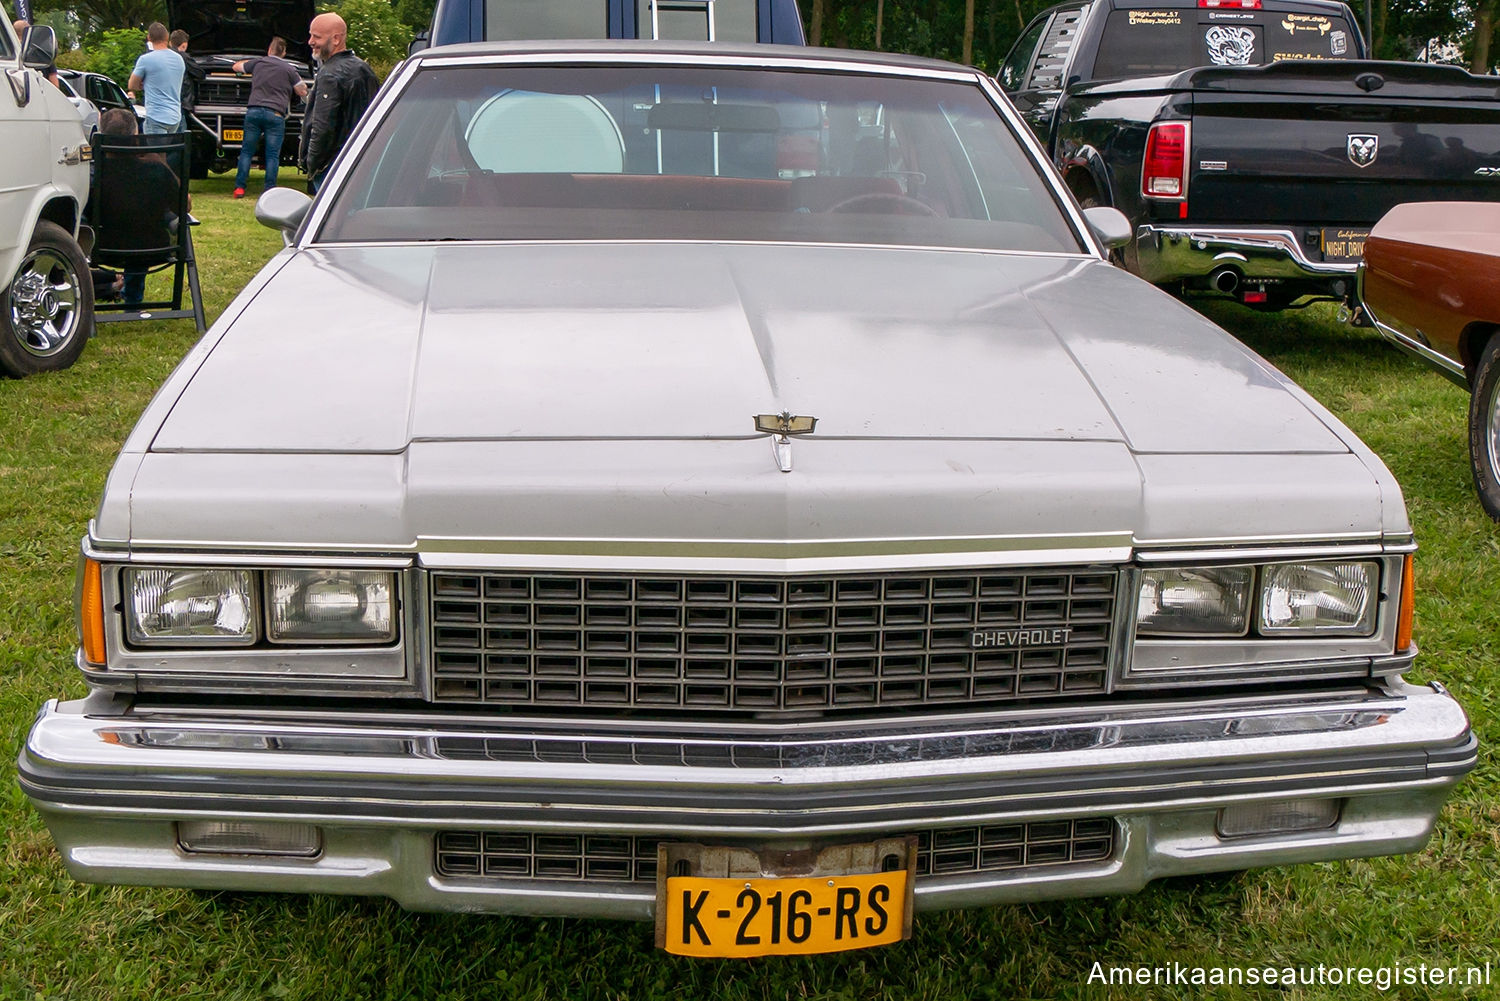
(344,87)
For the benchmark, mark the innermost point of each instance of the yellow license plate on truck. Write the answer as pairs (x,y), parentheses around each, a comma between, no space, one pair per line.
(784,916)
(234,135)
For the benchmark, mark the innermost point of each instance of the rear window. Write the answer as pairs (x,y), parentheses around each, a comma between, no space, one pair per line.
(512,20)
(1144,40)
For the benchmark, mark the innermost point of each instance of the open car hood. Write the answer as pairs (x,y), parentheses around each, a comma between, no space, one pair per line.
(243,28)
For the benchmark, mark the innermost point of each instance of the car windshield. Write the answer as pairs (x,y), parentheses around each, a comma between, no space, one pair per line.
(518,152)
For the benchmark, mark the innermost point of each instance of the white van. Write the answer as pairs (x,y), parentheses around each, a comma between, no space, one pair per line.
(47,306)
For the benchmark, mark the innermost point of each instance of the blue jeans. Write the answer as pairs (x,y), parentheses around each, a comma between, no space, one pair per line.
(154,128)
(135,287)
(261,122)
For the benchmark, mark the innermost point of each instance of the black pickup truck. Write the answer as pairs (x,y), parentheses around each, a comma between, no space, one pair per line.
(221,33)
(1250,142)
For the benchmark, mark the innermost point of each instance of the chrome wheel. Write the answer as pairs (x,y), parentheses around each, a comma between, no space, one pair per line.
(1492,426)
(1484,427)
(43,303)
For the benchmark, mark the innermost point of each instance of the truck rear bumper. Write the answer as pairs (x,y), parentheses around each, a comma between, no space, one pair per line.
(471,815)
(1224,259)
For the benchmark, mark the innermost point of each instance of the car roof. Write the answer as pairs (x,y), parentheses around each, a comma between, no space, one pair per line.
(599,50)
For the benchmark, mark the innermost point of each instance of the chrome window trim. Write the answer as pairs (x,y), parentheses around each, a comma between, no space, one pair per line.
(637,241)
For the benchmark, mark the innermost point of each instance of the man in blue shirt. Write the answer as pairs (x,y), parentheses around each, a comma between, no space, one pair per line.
(159,71)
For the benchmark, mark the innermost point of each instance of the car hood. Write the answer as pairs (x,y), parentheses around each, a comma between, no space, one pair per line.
(243,27)
(548,403)
(368,349)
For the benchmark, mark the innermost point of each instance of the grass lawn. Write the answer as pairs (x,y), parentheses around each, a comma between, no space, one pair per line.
(60,939)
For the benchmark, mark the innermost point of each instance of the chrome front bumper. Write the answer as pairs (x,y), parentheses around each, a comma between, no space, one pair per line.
(111,784)
(1187,253)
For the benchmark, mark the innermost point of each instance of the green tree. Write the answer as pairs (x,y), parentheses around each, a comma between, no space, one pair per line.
(61,22)
(415,14)
(376,33)
(95,17)
(1481,45)
(116,52)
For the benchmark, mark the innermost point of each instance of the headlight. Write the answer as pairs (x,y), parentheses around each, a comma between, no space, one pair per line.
(330,606)
(1204,601)
(191,606)
(1319,599)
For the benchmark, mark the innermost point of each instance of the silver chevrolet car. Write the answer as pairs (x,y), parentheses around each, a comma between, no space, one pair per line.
(729,488)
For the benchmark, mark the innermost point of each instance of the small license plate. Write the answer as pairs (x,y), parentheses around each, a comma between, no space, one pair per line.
(776,913)
(1343,245)
(234,135)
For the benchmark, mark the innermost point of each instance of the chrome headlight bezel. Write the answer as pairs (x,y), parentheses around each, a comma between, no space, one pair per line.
(1249,585)
(1195,660)
(256,585)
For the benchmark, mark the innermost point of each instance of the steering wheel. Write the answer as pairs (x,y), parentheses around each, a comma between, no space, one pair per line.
(895,202)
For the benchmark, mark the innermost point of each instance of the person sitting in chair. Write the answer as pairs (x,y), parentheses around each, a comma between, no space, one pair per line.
(141,202)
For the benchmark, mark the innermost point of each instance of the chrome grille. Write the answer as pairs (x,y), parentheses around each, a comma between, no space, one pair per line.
(754,644)
(949,851)
(224,90)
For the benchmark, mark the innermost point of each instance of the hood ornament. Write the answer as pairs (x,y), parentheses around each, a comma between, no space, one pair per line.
(781,425)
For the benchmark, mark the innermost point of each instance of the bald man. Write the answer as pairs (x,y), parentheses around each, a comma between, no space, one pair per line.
(344,87)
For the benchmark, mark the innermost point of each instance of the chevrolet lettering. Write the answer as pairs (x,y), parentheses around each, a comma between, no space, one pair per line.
(1019,637)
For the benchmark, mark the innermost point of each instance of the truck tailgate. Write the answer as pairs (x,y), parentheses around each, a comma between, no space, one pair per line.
(1338,143)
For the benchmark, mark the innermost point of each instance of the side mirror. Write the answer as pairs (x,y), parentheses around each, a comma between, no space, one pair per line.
(283,209)
(40,46)
(418,43)
(1109,226)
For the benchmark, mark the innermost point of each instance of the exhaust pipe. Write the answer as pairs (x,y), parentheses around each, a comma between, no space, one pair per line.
(1225,279)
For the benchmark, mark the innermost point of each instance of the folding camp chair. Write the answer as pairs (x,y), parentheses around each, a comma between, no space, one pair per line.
(138,208)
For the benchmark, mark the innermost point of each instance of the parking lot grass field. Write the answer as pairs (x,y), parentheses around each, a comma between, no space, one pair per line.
(60,939)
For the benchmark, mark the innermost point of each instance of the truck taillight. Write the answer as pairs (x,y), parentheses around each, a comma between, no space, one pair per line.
(1231,4)
(1164,169)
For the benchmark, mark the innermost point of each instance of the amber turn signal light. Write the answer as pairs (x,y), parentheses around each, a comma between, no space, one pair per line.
(91,613)
(1408,604)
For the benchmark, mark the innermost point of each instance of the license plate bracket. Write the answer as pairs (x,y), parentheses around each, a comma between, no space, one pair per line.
(736,901)
(1342,244)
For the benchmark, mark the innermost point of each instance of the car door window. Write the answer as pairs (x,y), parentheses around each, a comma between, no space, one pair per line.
(1013,74)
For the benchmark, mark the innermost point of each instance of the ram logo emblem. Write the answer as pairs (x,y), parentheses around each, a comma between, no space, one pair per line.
(1362,149)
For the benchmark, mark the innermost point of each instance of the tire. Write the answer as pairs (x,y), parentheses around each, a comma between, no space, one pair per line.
(1484,428)
(47,312)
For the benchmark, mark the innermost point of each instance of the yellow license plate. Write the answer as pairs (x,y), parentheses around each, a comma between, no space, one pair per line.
(234,135)
(784,916)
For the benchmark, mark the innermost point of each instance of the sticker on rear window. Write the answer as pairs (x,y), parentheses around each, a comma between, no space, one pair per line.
(1338,43)
(1297,23)
(1230,46)
(1160,17)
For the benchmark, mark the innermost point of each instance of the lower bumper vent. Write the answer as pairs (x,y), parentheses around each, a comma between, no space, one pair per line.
(949,851)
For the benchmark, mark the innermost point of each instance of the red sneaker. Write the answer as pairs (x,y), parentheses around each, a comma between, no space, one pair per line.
(239,192)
